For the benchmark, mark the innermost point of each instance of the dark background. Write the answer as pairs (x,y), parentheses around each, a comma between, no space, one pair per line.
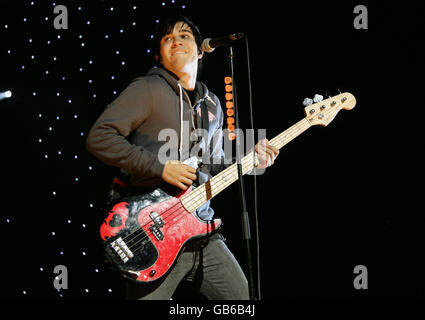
(345,195)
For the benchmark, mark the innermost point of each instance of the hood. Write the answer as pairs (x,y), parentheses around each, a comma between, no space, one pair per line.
(201,94)
(201,90)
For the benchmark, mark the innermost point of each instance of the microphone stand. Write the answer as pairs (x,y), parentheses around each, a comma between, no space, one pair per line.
(246,232)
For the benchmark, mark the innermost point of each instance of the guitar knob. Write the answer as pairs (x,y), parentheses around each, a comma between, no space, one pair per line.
(307,102)
(317,98)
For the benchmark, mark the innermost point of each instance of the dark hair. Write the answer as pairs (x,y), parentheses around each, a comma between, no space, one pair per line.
(166,26)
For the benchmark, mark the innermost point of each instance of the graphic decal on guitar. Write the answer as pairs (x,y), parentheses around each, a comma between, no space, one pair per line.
(144,234)
(115,221)
(140,228)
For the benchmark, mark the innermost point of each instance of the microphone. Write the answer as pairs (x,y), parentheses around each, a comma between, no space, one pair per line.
(208,45)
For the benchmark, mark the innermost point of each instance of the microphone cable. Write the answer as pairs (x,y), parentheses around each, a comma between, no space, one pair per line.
(255,176)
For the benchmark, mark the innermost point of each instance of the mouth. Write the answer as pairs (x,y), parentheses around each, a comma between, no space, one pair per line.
(177,52)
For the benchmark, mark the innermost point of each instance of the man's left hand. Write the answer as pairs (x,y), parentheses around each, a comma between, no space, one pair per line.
(266,154)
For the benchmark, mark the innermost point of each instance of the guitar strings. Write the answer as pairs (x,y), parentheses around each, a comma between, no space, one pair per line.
(247,157)
(182,209)
(282,136)
(194,194)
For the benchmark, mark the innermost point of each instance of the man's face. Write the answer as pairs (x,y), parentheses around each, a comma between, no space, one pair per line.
(178,50)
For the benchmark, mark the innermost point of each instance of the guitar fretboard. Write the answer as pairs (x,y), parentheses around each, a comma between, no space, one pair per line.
(221,181)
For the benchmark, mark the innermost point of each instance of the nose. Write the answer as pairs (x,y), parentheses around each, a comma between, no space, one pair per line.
(176,42)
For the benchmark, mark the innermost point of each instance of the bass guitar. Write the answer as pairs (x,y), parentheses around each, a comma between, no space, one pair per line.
(143,235)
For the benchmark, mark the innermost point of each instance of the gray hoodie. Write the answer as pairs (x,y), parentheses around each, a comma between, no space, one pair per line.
(130,132)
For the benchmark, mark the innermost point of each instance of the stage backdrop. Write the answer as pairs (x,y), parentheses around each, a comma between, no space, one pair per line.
(340,200)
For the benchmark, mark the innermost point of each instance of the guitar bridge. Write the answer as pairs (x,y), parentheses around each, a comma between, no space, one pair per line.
(122,249)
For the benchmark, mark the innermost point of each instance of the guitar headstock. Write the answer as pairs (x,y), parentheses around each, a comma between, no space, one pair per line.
(323,112)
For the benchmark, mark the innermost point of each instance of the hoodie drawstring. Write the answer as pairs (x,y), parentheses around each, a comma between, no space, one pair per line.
(181,120)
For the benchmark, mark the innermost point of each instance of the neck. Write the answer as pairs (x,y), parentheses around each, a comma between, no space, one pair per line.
(186,75)
(187,80)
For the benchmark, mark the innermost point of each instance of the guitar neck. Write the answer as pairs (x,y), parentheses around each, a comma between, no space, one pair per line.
(193,200)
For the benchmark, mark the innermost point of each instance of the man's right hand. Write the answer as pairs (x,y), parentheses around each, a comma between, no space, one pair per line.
(178,174)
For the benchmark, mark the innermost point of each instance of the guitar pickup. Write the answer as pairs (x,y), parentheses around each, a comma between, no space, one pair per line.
(156,218)
(156,232)
(157,224)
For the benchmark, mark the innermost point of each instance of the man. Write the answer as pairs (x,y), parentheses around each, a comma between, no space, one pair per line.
(127,135)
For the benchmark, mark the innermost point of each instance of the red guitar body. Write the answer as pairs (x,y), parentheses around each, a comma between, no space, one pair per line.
(143,235)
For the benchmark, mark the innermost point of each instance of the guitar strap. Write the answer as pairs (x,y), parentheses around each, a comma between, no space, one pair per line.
(204,116)
(206,124)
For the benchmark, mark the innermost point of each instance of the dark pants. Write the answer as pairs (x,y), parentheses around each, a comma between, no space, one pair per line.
(207,266)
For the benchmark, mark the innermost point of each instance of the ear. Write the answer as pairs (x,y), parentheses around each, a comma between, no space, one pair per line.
(158,58)
(200,54)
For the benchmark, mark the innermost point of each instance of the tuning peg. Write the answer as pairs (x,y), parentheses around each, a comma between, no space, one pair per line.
(307,102)
(317,98)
